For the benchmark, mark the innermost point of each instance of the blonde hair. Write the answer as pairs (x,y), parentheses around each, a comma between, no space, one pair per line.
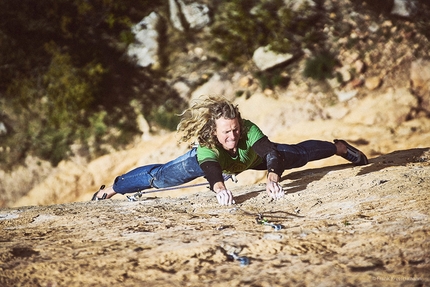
(198,121)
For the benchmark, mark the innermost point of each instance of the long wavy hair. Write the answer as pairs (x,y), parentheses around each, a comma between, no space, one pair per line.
(198,121)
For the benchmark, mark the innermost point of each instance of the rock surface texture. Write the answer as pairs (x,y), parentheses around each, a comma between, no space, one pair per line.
(341,226)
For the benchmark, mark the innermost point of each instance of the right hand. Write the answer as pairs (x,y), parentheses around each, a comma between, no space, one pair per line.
(225,197)
(274,190)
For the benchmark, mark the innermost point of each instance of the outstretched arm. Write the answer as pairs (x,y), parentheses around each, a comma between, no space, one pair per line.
(273,188)
(266,149)
(213,172)
(223,195)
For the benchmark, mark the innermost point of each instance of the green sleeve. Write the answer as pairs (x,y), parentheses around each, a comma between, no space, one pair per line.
(206,154)
(254,133)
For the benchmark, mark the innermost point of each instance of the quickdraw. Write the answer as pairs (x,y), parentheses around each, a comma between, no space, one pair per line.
(263,221)
(243,260)
(259,219)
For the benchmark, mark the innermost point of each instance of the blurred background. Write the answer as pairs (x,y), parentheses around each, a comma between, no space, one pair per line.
(89,89)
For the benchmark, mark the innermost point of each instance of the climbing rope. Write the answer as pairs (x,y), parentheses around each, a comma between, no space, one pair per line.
(139,194)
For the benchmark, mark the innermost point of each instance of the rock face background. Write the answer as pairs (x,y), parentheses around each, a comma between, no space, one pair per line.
(379,98)
(342,225)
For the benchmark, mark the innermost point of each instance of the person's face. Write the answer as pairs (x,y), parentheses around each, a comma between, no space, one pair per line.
(228,133)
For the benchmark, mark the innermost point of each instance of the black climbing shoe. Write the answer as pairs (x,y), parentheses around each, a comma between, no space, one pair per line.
(95,198)
(353,154)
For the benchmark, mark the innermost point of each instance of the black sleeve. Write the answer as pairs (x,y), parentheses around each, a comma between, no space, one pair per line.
(267,150)
(213,172)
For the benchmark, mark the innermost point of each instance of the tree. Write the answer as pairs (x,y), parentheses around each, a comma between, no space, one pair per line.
(62,65)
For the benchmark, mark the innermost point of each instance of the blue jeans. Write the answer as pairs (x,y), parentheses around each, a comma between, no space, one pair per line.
(186,167)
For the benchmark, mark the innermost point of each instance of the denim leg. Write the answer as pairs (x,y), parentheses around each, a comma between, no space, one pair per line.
(179,171)
(298,155)
(176,172)
(135,180)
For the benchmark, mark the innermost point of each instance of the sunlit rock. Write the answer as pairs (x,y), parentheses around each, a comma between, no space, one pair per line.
(145,49)
(265,59)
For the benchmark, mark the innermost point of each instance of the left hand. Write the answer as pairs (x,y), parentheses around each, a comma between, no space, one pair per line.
(273,188)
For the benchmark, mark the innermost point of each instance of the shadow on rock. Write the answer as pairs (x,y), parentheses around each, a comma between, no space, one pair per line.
(301,179)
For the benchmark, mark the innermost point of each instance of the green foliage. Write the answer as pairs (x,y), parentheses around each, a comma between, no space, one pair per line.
(68,90)
(98,127)
(63,77)
(127,37)
(320,67)
(166,115)
(235,31)
(53,107)
(271,79)
(239,93)
(165,118)
(241,26)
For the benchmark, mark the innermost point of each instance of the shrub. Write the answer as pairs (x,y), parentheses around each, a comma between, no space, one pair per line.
(52,108)
(235,32)
(241,26)
(320,67)
(272,78)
